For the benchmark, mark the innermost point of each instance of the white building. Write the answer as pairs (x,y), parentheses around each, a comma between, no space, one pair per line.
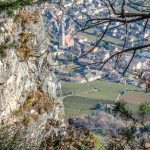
(146,34)
(82,39)
(79,2)
(106,56)
(136,65)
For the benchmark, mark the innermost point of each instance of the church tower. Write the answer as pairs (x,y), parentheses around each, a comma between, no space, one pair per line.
(62,30)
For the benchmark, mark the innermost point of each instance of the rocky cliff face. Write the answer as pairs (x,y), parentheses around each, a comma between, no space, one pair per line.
(28,95)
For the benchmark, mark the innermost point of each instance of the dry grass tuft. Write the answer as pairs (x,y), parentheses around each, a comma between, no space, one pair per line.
(25,17)
(25,51)
(27,121)
(35,105)
(37,101)
(25,47)
(40,101)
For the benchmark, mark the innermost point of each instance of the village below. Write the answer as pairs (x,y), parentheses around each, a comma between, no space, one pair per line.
(74,75)
(75,67)
(67,45)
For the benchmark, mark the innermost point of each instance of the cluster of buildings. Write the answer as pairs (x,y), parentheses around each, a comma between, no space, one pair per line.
(70,48)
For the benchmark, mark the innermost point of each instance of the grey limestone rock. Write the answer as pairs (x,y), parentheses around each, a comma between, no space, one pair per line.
(18,78)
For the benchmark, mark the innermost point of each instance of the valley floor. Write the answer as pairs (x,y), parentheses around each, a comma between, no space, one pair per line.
(80,98)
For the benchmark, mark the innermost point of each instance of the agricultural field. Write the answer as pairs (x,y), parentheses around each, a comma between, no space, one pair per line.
(98,90)
(83,96)
(76,105)
(135,98)
(107,38)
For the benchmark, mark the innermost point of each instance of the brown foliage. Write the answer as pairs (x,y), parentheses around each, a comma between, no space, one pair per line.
(26,17)
(25,51)
(38,102)
(25,48)
(73,139)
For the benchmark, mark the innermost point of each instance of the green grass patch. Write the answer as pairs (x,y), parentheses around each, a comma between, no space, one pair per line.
(74,87)
(83,97)
(75,105)
(133,107)
(105,90)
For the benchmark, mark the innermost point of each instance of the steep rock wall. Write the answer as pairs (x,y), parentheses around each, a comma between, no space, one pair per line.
(27,81)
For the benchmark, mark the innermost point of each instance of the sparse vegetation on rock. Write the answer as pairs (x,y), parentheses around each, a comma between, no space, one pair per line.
(35,105)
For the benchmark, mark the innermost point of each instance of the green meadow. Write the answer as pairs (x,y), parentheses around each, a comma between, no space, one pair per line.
(82,96)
